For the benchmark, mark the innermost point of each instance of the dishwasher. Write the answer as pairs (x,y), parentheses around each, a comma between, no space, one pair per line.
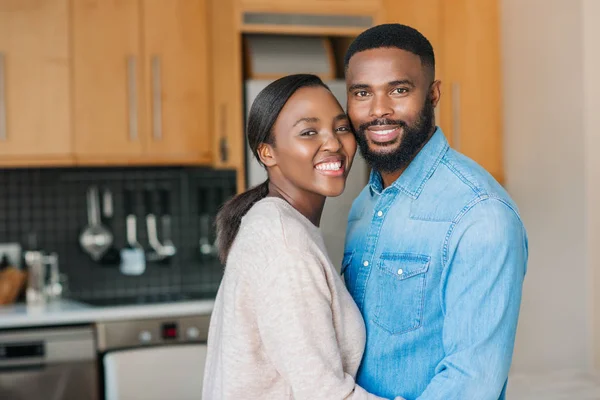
(153,359)
(48,364)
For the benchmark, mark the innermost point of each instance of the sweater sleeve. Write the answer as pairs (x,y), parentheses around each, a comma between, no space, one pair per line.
(295,322)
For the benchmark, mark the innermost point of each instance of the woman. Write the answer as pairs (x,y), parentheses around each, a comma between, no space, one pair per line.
(283,324)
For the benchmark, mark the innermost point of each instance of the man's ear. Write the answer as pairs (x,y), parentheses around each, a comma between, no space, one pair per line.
(266,155)
(435,92)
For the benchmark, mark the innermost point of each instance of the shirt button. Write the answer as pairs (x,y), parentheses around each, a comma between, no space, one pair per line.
(366,263)
(400,271)
(379,213)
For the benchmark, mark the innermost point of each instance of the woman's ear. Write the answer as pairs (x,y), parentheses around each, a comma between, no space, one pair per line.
(266,155)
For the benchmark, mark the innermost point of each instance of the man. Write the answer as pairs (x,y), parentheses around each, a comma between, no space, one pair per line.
(436,252)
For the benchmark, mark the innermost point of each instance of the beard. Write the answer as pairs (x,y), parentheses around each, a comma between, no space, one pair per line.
(413,138)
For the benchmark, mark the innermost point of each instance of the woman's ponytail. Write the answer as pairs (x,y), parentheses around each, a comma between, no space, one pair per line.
(230,216)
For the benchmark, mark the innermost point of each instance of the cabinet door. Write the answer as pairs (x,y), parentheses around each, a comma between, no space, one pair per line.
(176,61)
(228,127)
(426,17)
(34,82)
(473,80)
(108,91)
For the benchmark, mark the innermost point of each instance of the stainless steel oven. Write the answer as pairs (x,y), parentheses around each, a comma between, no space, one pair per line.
(48,364)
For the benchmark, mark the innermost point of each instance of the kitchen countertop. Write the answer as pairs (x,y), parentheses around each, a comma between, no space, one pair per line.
(69,312)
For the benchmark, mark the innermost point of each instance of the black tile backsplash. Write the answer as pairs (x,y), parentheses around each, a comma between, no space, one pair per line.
(47,208)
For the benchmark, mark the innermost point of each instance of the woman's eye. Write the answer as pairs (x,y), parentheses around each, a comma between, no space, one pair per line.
(309,132)
(343,129)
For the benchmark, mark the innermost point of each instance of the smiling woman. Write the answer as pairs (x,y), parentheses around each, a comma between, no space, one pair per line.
(298,131)
(284,324)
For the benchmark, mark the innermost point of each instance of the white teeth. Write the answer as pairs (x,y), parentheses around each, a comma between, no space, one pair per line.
(333,166)
(387,131)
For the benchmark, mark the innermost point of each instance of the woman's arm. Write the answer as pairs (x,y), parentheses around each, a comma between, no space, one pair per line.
(296,326)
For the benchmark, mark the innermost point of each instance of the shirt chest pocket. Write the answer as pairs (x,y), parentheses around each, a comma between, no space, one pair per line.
(401,285)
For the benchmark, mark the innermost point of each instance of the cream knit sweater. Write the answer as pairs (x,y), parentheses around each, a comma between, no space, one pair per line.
(283,326)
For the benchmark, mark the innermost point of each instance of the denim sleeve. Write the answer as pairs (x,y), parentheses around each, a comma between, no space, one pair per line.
(485,258)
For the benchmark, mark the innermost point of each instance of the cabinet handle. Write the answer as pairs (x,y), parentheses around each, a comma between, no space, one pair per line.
(3,134)
(224,150)
(156,99)
(132,97)
(456,115)
(223,147)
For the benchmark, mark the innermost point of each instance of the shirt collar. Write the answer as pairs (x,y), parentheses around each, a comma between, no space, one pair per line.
(420,169)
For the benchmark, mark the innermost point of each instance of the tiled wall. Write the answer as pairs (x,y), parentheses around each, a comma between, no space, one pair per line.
(51,205)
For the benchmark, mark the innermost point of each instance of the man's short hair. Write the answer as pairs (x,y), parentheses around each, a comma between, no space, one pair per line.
(393,35)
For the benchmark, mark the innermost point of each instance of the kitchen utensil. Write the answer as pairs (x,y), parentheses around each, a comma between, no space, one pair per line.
(165,219)
(53,287)
(107,204)
(38,289)
(156,248)
(95,239)
(133,259)
(112,255)
(207,248)
(159,251)
(206,221)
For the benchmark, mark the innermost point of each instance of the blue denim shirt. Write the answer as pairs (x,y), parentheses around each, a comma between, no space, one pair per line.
(435,263)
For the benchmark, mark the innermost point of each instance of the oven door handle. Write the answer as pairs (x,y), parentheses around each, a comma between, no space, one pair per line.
(33,367)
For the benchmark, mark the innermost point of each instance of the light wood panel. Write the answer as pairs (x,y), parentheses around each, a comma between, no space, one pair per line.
(108,85)
(226,58)
(473,79)
(176,65)
(35,69)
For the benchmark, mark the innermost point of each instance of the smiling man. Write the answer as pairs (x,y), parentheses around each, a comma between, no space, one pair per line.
(436,252)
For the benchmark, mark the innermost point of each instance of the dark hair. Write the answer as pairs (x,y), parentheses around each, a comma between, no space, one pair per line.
(263,113)
(393,35)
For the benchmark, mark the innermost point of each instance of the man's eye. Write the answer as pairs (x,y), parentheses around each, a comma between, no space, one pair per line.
(361,93)
(400,90)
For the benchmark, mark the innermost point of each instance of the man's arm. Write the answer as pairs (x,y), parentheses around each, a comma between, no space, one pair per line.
(485,259)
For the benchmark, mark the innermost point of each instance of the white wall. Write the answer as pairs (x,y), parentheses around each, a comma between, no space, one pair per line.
(545,150)
(591,76)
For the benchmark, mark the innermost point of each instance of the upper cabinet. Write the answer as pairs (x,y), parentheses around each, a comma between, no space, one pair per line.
(176,73)
(141,88)
(118,82)
(465,38)
(35,101)
(228,107)
(308,17)
(107,79)
(473,81)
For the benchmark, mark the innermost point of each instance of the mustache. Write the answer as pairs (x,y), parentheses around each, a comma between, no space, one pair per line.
(381,121)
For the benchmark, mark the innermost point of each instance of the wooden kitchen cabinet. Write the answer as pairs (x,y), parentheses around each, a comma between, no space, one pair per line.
(308,17)
(465,38)
(473,81)
(107,82)
(339,6)
(35,101)
(141,82)
(228,109)
(176,62)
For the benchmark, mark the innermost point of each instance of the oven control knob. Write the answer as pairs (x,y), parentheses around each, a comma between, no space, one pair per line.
(193,332)
(145,336)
